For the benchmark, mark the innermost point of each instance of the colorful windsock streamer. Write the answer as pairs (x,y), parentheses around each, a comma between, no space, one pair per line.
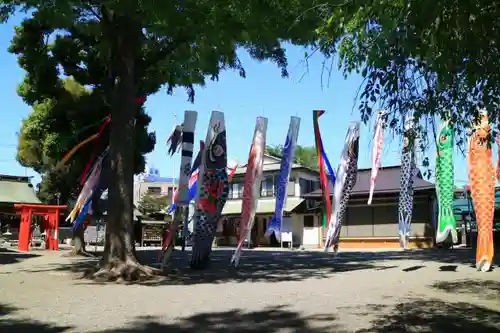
(182,193)
(482,188)
(405,205)
(193,184)
(81,216)
(345,180)
(103,126)
(445,185)
(252,183)
(378,143)
(327,212)
(212,192)
(283,178)
(175,139)
(91,185)
(78,146)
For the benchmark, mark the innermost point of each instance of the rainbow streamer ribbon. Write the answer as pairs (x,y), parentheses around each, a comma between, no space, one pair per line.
(322,161)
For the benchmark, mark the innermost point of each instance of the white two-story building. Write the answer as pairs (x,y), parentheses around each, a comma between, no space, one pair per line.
(304,228)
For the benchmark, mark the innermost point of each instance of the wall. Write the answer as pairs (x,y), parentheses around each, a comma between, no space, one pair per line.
(293,186)
(141,188)
(296,174)
(381,218)
(306,236)
(297,229)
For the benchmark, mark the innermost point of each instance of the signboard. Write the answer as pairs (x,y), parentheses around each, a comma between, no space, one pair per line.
(286,229)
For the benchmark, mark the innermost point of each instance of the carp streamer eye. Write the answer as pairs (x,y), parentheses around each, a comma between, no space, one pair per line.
(218,151)
(443,138)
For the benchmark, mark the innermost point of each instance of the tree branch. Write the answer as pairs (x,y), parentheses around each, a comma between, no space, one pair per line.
(164,53)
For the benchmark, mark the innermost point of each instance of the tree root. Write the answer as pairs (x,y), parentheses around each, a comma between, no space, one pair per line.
(123,271)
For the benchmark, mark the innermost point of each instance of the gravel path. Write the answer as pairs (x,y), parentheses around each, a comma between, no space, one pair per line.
(384,291)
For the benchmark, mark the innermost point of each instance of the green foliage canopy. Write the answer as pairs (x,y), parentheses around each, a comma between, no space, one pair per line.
(151,205)
(429,58)
(126,49)
(56,125)
(305,156)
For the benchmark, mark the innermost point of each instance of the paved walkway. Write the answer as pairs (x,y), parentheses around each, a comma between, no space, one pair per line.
(272,291)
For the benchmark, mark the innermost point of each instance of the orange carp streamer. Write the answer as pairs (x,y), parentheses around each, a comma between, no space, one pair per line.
(78,146)
(482,180)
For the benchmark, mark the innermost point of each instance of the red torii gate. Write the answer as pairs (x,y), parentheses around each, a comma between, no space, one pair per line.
(50,216)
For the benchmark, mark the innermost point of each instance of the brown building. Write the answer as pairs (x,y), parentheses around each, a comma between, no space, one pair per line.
(377,225)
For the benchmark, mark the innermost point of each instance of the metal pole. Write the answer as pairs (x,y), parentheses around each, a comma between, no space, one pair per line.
(96,234)
(468,222)
(173,169)
(185,226)
(281,235)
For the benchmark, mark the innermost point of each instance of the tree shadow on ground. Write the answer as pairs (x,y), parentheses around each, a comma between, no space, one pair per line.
(458,256)
(11,257)
(486,289)
(269,320)
(9,324)
(255,266)
(434,316)
(273,266)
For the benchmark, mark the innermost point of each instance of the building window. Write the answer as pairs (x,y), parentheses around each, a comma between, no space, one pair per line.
(291,189)
(316,185)
(308,186)
(305,186)
(267,187)
(154,190)
(308,221)
(235,191)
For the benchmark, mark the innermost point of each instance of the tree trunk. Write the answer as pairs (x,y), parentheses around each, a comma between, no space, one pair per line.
(119,261)
(78,242)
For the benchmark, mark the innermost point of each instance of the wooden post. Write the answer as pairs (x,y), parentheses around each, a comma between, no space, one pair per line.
(24,229)
(56,230)
(47,229)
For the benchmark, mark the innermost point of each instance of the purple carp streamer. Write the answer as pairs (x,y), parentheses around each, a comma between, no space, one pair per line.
(378,143)
(405,206)
(283,178)
(252,183)
(212,192)
(182,195)
(345,179)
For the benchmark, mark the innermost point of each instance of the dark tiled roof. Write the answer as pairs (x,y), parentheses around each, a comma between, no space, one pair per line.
(387,182)
(17,189)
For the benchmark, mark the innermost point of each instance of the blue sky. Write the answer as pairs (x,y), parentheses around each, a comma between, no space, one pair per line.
(262,93)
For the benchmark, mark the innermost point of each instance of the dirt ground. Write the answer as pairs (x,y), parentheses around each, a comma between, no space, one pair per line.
(272,291)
